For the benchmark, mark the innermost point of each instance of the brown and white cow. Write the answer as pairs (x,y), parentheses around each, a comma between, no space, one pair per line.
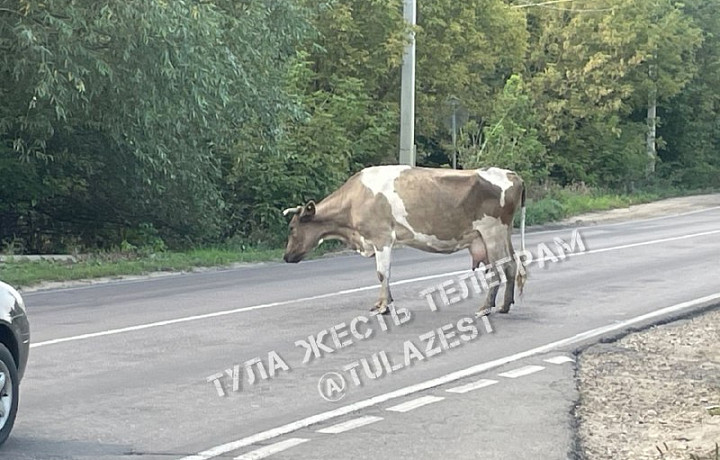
(435,210)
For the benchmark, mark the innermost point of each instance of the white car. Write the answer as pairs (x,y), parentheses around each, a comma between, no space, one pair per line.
(14,348)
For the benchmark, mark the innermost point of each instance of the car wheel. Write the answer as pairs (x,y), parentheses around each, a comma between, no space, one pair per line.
(8,393)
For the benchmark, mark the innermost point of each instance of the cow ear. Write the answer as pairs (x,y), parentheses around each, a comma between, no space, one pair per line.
(308,211)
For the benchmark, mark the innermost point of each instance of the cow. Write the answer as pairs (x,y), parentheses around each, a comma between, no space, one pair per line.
(434,210)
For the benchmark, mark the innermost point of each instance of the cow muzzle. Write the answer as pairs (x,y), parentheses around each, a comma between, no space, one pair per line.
(291,259)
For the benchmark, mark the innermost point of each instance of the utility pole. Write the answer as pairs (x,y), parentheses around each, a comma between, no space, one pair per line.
(407,92)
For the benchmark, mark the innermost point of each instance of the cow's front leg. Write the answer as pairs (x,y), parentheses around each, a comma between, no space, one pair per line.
(382,261)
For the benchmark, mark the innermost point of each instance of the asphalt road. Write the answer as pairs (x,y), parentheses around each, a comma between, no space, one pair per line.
(120,370)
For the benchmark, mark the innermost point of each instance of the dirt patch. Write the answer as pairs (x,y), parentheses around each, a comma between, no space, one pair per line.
(651,394)
(666,207)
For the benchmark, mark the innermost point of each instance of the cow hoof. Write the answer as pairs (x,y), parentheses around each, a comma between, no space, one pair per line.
(380,309)
(481,313)
(505,309)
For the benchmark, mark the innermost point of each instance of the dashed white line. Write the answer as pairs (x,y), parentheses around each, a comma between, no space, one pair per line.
(452,377)
(267,451)
(350,425)
(482,383)
(521,372)
(415,403)
(327,295)
(562,359)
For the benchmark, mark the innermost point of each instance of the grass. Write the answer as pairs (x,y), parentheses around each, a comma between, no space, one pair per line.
(548,206)
(27,273)
(557,204)
(552,209)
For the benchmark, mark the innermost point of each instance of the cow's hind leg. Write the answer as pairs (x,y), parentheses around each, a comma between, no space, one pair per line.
(479,254)
(382,261)
(510,268)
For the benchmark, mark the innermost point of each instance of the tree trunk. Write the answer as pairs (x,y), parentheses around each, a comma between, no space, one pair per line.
(652,132)
(651,145)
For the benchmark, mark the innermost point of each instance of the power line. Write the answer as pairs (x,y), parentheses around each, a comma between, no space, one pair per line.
(551,2)
(527,5)
(572,10)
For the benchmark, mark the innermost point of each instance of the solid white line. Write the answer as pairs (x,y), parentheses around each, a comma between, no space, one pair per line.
(327,295)
(267,451)
(627,222)
(627,246)
(233,311)
(562,359)
(415,403)
(350,425)
(646,243)
(482,383)
(521,372)
(452,377)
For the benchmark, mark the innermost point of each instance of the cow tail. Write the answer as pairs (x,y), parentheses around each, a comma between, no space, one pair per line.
(521,277)
(522,220)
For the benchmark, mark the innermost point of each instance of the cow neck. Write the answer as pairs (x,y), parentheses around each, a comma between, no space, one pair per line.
(333,220)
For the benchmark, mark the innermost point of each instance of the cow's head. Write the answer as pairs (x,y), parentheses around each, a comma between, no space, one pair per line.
(304,232)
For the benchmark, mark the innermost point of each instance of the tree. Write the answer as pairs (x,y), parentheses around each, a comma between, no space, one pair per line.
(510,139)
(591,71)
(691,125)
(465,50)
(140,96)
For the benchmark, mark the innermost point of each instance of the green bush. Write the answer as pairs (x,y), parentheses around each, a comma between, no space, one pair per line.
(545,210)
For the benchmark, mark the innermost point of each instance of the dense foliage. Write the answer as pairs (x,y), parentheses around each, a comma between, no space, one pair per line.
(176,123)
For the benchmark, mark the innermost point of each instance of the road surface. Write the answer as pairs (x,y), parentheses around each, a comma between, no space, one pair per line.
(126,370)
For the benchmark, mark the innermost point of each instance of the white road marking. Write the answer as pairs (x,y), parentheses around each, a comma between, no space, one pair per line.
(482,383)
(521,372)
(626,222)
(452,377)
(645,243)
(267,451)
(325,296)
(350,425)
(559,360)
(415,403)
(236,310)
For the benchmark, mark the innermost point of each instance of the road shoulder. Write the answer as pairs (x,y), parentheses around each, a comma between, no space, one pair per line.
(649,395)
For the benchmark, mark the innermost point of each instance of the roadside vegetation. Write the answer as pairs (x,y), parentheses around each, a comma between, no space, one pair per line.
(106,150)
(127,263)
(130,260)
(546,205)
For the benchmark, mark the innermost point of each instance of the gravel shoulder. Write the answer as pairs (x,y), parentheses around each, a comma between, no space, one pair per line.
(669,206)
(651,394)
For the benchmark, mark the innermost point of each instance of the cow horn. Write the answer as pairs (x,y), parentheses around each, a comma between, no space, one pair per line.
(294,210)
